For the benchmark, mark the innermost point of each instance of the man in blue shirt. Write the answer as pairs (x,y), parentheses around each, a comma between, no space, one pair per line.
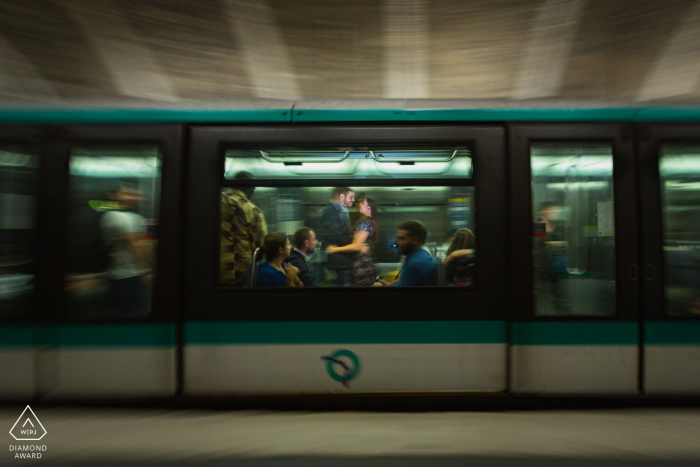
(419,268)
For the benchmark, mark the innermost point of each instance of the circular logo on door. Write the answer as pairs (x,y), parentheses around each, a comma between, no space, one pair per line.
(340,369)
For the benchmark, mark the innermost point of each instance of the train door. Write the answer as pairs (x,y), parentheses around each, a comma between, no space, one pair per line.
(670,194)
(347,329)
(109,324)
(23,167)
(575,271)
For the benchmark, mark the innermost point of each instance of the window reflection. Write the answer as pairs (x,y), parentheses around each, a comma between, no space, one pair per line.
(679,170)
(347,236)
(574,229)
(18,185)
(114,199)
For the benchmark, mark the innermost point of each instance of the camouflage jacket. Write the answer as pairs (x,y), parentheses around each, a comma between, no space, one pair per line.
(242,231)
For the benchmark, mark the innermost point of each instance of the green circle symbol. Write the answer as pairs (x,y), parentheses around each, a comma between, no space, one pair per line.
(353,372)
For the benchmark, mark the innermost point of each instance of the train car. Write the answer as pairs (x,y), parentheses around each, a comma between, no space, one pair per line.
(119,276)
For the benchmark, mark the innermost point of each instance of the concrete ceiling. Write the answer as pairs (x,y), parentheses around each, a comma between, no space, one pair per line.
(173,51)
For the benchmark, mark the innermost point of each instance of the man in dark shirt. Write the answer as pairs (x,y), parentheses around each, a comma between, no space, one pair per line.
(419,268)
(337,231)
(304,245)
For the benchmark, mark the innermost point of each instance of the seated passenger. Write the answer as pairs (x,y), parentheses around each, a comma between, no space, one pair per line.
(419,267)
(304,246)
(460,259)
(275,273)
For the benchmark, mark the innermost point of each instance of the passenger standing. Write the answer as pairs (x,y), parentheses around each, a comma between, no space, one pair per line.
(242,231)
(460,259)
(419,268)
(304,246)
(275,272)
(366,232)
(550,259)
(335,220)
(129,273)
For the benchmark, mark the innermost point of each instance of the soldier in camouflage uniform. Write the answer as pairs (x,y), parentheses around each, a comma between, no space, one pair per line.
(242,231)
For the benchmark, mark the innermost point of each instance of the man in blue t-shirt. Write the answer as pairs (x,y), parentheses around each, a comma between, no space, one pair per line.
(419,268)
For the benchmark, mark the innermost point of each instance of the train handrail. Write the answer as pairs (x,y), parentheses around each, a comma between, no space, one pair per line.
(252,277)
(301,160)
(399,160)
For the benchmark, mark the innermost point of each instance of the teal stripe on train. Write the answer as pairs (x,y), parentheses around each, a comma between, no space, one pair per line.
(575,333)
(18,115)
(126,116)
(346,332)
(672,333)
(93,335)
(469,115)
(14,336)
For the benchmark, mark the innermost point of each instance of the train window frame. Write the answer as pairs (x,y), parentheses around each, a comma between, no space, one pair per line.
(168,138)
(620,138)
(206,299)
(19,135)
(652,139)
(356,183)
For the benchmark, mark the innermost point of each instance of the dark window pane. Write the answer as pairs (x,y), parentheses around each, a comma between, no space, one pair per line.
(679,170)
(18,193)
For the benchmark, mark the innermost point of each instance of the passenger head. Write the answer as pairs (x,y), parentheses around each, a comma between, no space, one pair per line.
(411,236)
(547,209)
(305,240)
(127,195)
(248,191)
(276,244)
(368,207)
(344,196)
(463,239)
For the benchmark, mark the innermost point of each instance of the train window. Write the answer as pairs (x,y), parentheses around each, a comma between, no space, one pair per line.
(679,171)
(574,229)
(18,187)
(351,163)
(342,235)
(113,218)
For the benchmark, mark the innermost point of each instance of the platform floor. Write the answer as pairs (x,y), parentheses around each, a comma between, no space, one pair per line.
(649,437)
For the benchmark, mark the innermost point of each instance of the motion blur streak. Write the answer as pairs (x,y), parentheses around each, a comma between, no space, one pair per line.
(677,69)
(551,40)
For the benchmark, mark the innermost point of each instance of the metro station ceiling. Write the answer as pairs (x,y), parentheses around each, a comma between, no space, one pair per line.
(212,51)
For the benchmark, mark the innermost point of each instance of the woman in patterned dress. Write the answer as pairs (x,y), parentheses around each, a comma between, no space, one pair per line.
(366,232)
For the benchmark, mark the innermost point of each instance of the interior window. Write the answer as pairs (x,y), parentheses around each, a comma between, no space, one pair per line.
(574,229)
(18,194)
(384,235)
(679,171)
(351,162)
(112,230)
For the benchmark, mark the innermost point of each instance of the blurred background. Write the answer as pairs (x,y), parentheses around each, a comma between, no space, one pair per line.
(623,50)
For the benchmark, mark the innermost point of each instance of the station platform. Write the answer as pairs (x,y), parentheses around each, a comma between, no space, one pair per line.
(648,437)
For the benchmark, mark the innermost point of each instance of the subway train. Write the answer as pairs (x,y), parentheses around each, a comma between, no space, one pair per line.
(586,277)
